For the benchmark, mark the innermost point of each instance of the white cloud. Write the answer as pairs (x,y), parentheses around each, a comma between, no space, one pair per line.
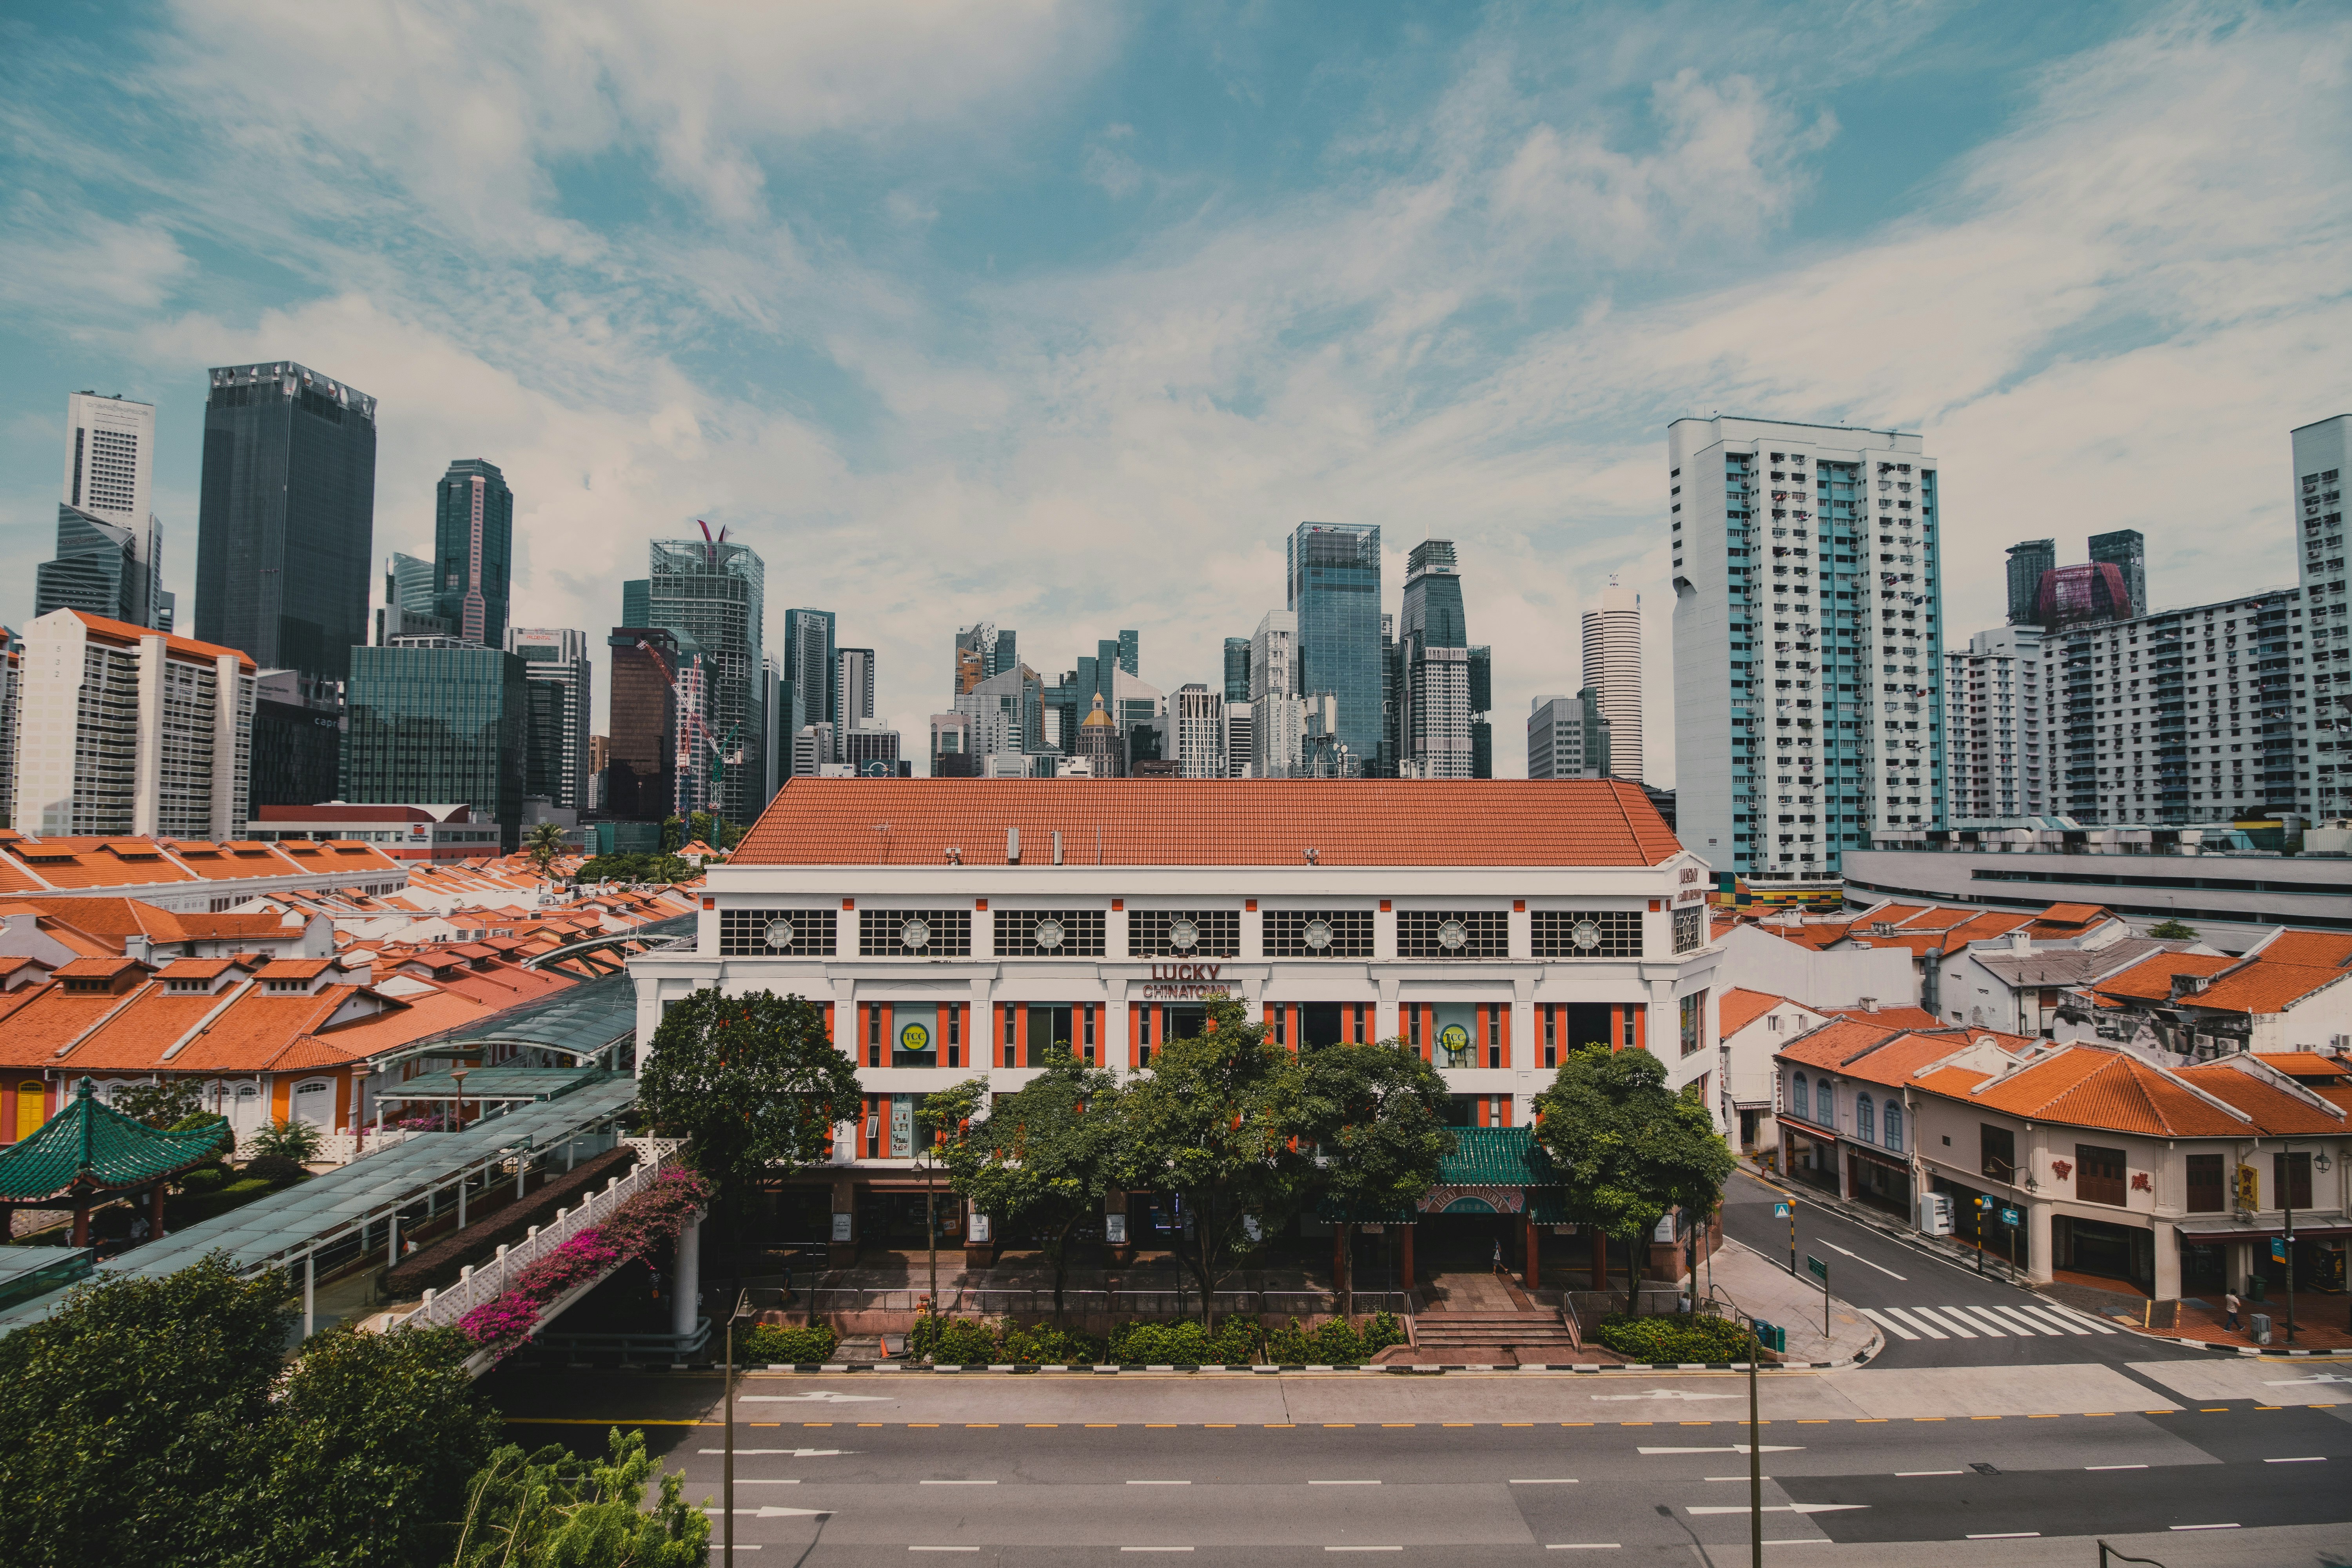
(81,265)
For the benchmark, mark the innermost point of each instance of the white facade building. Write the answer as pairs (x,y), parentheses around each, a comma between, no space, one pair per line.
(1492,926)
(1241,741)
(1613,666)
(2323,451)
(122,730)
(1998,733)
(109,474)
(1808,664)
(1199,722)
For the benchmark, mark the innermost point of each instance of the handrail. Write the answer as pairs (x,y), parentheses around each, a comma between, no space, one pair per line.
(477,1285)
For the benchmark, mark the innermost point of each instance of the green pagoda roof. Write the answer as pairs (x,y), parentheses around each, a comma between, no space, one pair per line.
(89,1147)
(1497,1157)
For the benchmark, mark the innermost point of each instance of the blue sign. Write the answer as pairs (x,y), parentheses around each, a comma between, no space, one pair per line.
(2009,1216)
(1780,1211)
(2278,1249)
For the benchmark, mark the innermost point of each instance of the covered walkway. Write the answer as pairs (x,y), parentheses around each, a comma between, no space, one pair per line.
(316,1226)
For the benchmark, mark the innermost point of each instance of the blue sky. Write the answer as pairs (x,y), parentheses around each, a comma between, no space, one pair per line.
(1062,315)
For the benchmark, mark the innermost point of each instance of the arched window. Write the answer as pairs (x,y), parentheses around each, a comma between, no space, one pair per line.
(1801,1099)
(1864,1107)
(1827,1117)
(1895,1125)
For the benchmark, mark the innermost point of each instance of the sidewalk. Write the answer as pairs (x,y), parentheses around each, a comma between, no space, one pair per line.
(1993,1263)
(2320,1324)
(1763,1288)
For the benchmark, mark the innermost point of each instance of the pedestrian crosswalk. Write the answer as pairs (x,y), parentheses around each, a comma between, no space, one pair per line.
(2022,1322)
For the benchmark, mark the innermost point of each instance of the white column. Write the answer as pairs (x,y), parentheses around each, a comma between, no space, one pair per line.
(147,755)
(2168,1261)
(2038,1263)
(232,745)
(685,1284)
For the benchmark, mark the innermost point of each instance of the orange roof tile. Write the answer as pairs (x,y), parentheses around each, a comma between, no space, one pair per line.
(123,634)
(2072,914)
(2322,948)
(2086,1086)
(1739,1007)
(2306,1064)
(1893,1017)
(2150,979)
(1212,822)
(2265,987)
(2275,1110)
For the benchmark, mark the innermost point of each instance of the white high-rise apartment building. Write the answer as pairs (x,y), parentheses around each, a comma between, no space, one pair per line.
(853,686)
(1808,670)
(1241,745)
(560,712)
(2322,452)
(121,730)
(109,474)
(1998,731)
(1277,712)
(1613,666)
(1199,721)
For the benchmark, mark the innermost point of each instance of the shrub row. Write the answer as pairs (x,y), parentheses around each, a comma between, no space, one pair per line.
(768,1345)
(1675,1337)
(1237,1342)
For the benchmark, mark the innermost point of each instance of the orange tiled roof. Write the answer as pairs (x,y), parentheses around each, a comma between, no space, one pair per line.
(2322,949)
(2275,1110)
(1741,1007)
(2072,914)
(1893,1017)
(2306,1064)
(2085,1086)
(2150,979)
(1211,822)
(2262,986)
(125,635)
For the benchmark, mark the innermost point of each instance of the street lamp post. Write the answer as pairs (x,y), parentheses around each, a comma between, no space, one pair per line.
(1755,1434)
(727,1480)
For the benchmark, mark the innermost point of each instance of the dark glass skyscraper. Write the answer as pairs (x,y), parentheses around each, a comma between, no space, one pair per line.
(1237,687)
(96,570)
(2027,561)
(473,551)
(285,518)
(1334,572)
(716,592)
(2126,549)
(810,692)
(432,724)
(641,753)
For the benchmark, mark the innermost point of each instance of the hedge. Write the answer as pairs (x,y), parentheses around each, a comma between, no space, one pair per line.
(768,1345)
(1675,1337)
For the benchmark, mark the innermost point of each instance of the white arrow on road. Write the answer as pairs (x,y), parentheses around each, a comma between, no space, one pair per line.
(2315,1377)
(1661,1393)
(773,1512)
(1786,1508)
(1865,1262)
(817,1396)
(791,1453)
(1733,1449)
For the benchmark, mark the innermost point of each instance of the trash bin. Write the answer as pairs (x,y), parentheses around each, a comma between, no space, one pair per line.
(2257,1288)
(2260,1322)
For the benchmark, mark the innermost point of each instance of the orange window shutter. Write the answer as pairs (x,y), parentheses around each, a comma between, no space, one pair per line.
(1641,1028)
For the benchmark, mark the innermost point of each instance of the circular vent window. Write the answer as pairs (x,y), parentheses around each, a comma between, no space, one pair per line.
(1183,935)
(1586,934)
(1048,934)
(779,933)
(1451,934)
(1317,935)
(915,933)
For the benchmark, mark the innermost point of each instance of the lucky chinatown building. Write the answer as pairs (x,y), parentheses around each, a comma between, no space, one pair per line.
(958,927)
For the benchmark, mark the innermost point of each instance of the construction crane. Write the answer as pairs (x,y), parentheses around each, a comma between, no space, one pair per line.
(724,750)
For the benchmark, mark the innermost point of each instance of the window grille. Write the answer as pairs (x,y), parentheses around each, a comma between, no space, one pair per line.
(1587,934)
(1690,928)
(914,933)
(1442,934)
(1184,933)
(776,933)
(1050,933)
(1318,933)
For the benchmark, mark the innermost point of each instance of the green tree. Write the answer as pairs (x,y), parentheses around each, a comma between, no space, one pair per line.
(753,1083)
(159,1104)
(365,1455)
(552,1509)
(297,1141)
(2173,930)
(1212,1122)
(546,845)
(1629,1149)
(1375,1115)
(673,833)
(130,1404)
(1042,1156)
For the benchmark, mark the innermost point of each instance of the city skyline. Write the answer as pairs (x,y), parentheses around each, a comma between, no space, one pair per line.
(1631,228)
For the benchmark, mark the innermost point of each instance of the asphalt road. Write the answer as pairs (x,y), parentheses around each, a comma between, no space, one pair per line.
(844,1470)
(1934,1311)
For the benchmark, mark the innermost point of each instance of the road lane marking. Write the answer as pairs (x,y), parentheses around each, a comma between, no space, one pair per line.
(815,1396)
(1983,1322)
(2204,1527)
(2067,1321)
(1343,1483)
(2005,1535)
(1920,1324)
(1777,1508)
(1155,1548)
(1865,1262)
(1659,1393)
(1932,1315)
(1733,1448)
(1549,1481)
(943,1548)
(1581,1546)
(2299,1459)
(788,1453)
(1363,1548)
(1931,1472)
(2011,1314)
(955,1483)
(766,1481)
(2114,1467)
(1889,1324)
(1159,1483)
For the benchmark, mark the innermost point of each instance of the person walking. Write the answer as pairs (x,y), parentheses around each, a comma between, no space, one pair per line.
(2230,1308)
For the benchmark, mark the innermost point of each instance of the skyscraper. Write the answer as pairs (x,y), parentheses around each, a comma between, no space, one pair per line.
(1277,713)
(811,685)
(436,723)
(1482,704)
(1998,735)
(1237,675)
(286,518)
(2028,560)
(714,590)
(1808,676)
(1199,721)
(641,750)
(1333,571)
(2126,551)
(1432,681)
(406,608)
(108,482)
(853,686)
(2322,451)
(1613,666)
(562,696)
(473,551)
(1568,737)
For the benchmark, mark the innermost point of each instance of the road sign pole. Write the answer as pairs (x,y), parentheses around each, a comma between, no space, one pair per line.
(1788,1210)
(1822,1272)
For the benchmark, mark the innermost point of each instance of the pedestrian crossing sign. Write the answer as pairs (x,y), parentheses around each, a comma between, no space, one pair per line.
(1780,1211)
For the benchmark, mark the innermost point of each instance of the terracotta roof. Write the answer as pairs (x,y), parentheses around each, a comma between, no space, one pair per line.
(296,968)
(197,968)
(2262,986)
(1211,822)
(97,968)
(2306,1064)
(2151,979)
(1739,1007)
(2084,1086)
(2275,1110)
(2322,949)
(126,634)
(1890,1017)
(2072,914)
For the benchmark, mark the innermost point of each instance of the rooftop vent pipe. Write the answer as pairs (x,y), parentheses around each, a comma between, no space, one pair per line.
(1012,846)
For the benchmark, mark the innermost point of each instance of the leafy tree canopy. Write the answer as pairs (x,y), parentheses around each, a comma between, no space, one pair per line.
(546,845)
(755,1082)
(663,867)
(1213,1123)
(1629,1149)
(2173,930)
(552,1509)
(1375,1115)
(160,1104)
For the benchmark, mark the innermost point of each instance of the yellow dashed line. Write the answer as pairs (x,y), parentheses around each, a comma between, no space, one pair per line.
(1506,1424)
(817,1423)
(2042,1419)
(2213,1410)
(1041,1426)
(1396,1424)
(1215,1424)
(1927,1418)
(1637,1424)
(910,1424)
(1984,1418)
(1869,1420)
(2098,1412)
(1281,1425)
(1576,1423)
(1695,1422)
(1333,1425)
(1813,1421)
(1474,1423)
(1159,1426)
(1100,1425)
(2269,1406)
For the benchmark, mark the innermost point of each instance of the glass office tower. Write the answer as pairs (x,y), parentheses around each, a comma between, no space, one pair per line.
(716,592)
(1334,571)
(285,518)
(435,721)
(473,550)
(811,690)
(1237,675)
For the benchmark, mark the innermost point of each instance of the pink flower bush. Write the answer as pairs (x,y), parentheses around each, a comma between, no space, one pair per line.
(640,1227)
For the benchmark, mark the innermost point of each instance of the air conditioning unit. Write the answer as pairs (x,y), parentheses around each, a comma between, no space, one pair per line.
(1934,1214)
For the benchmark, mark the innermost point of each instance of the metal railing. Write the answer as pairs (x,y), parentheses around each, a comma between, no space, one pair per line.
(491,1280)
